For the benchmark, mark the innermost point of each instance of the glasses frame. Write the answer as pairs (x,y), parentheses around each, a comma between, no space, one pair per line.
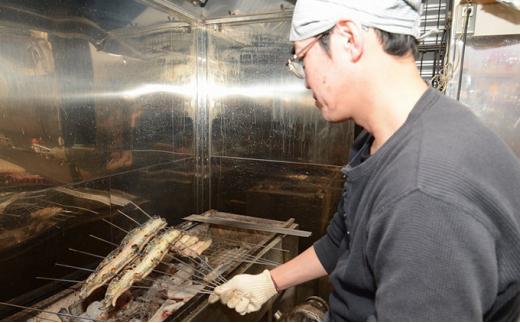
(297,58)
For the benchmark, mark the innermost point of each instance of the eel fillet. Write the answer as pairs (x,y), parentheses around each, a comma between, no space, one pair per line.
(130,247)
(141,266)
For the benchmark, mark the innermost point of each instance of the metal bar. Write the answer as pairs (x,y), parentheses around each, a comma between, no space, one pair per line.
(134,32)
(171,8)
(203,129)
(286,14)
(276,161)
(249,226)
(118,202)
(465,35)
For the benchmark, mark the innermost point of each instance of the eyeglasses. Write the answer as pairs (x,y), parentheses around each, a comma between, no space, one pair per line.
(295,63)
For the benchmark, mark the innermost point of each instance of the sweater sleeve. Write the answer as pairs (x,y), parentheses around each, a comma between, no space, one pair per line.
(328,247)
(432,261)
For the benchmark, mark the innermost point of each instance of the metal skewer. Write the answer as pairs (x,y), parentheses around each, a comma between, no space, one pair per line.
(114,225)
(48,312)
(103,240)
(101,257)
(197,273)
(86,253)
(137,207)
(247,243)
(79,281)
(247,258)
(108,242)
(222,279)
(203,263)
(91,270)
(74,267)
(130,218)
(59,279)
(70,206)
(209,270)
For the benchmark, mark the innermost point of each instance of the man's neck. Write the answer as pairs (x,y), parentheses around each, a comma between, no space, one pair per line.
(392,98)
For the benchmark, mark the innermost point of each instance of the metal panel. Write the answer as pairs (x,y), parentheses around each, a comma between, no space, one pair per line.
(259,110)
(174,116)
(272,154)
(202,137)
(490,84)
(486,75)
(82,106)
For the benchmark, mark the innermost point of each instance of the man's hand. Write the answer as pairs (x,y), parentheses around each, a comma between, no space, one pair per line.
(245,293)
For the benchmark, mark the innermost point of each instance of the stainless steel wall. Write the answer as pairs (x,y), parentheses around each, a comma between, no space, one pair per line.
(267,138)
(100,106)
(271,153)
(121,100)
(489,85)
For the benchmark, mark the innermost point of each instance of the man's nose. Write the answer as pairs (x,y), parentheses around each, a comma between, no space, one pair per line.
(306,83)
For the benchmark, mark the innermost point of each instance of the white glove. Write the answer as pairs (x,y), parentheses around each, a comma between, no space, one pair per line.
(245,293)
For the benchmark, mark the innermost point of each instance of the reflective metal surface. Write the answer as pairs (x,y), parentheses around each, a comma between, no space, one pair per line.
(490,84)
(101,100)
(268,140)
(109,103)
(272,154)
(258,108)
(191,11)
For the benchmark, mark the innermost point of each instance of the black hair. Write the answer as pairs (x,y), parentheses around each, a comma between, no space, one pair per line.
(393,44)
(397,44)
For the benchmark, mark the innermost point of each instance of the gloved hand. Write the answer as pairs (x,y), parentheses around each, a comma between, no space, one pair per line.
(245,293)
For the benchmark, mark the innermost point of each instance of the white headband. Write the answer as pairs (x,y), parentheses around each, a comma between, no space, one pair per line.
(312,17)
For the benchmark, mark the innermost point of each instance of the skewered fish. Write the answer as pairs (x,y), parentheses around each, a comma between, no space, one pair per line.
(197,249)
(183,245)
(186,240)
(141,266)
(132,244)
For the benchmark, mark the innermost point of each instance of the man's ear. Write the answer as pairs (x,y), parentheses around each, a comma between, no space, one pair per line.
(353,36)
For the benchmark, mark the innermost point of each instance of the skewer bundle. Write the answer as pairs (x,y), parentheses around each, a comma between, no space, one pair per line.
(143,250)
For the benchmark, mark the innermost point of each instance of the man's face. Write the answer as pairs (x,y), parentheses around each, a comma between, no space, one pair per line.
(327,75)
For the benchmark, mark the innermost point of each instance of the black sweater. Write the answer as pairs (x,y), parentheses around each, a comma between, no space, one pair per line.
(429,226)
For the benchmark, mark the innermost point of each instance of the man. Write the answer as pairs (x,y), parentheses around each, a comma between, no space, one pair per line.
(428,227)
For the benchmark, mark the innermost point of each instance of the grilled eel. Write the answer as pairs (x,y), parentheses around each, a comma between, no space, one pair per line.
(197,249)
(132,244)
(141,266)
(184,243)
